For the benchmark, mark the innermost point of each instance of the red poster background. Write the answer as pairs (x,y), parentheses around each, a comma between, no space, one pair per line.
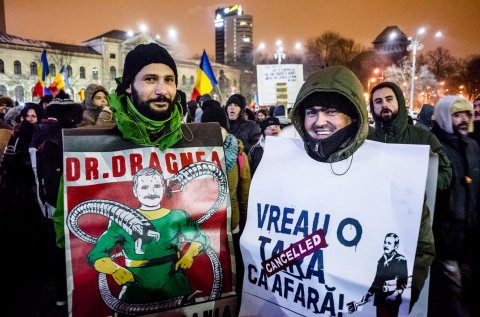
(196,198)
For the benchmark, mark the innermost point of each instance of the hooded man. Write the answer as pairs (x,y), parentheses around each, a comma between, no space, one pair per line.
(455,225)
(424,119)
(96,110)
(389,112)
(331,118)
(245,130)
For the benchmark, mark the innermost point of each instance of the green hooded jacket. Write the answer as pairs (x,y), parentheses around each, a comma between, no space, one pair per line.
(341,80)
(336,79)
(399,131)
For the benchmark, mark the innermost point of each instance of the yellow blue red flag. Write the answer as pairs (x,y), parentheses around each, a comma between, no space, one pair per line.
(43,73)
(58,83)
(205,78)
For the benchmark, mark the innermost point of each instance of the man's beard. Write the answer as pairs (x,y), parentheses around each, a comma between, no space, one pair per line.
(387,116)
(144,107)
(461,128)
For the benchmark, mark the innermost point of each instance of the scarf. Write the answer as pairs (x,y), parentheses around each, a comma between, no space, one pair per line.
(141,130)
(321,150)
(231,151)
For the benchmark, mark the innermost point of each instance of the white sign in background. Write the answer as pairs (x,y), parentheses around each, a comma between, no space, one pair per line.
(382,190)
(269,75)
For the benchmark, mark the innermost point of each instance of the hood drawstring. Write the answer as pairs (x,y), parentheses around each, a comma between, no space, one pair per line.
(345,172)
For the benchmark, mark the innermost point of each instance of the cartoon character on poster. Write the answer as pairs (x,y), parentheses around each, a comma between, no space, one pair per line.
(391,279)
(157,243)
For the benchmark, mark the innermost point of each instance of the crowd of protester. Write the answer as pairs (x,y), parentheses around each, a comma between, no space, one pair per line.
(31,171)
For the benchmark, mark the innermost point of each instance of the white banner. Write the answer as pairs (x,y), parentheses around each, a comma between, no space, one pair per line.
(320,229)
(268,76)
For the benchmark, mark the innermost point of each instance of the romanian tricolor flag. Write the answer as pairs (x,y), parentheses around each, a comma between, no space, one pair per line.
(253,102)
(43,72)
(58,83)
(205,78)
(81,93)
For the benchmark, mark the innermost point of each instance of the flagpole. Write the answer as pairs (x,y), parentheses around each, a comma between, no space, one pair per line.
(220,94)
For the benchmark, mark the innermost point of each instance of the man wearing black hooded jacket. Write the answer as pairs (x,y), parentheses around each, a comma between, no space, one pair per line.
(389,112)
(247,131)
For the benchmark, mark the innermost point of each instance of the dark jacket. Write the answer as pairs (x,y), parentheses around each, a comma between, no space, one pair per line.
(255,154)
(476,132)
(93,115)
(424,119)
(247,131)
(400,132)
(456,223)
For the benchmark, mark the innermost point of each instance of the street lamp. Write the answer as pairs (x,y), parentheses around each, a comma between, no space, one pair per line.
(279,54)
(415,46)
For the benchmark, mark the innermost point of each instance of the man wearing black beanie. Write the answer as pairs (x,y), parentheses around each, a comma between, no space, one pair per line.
(147,106)
(245,130)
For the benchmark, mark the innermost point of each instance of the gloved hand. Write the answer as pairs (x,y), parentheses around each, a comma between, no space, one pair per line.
(186,260)
(120,275)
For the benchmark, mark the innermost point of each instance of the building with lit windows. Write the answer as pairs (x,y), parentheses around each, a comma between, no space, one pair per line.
(233,36)
(97,60)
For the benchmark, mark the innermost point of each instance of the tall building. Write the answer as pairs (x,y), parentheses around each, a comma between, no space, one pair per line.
(233,36)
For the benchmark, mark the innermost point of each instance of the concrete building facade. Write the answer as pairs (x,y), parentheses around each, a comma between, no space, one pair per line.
(98,60)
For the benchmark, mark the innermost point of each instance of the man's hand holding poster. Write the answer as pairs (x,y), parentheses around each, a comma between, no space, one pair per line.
(148,231)
(331,239)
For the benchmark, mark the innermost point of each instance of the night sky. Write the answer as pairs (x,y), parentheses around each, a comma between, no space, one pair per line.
(74,21)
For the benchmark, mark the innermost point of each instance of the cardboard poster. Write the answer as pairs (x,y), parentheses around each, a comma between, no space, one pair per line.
(147,231)
(278,84)
(326,235)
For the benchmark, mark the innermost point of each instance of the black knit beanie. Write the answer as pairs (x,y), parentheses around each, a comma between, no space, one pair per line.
(268,122)
(140,56)
(331,99)
(238,100)
(215,113)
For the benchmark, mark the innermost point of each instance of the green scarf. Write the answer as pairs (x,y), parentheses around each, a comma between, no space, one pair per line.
(137,128)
